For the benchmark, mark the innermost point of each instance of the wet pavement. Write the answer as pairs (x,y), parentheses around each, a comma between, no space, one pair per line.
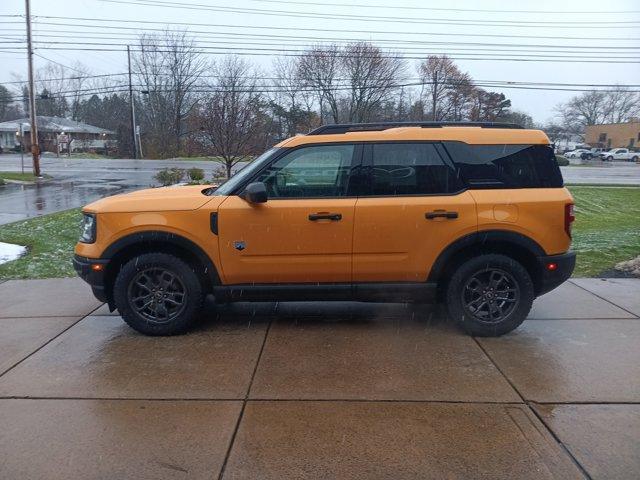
(79,181)
(320,390)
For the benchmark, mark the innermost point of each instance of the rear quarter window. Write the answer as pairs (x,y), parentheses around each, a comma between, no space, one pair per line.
(506,166)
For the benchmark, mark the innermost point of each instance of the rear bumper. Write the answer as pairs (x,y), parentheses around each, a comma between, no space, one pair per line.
(550,279)
(95,279)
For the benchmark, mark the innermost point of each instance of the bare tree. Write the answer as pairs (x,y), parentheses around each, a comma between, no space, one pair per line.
(459,98)
(230,116)
(372,78)
(440,76)
(585,109)
(60,89)
(621,105)
(320,69)
(168,68)
(290,101)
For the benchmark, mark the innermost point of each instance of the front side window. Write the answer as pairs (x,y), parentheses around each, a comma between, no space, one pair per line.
(309,172)
(411,169)
(506,166)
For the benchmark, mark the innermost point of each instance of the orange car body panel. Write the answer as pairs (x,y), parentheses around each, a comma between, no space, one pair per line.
(379,238)
(393,241)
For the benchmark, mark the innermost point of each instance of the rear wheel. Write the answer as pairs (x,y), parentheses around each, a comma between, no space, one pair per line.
(634,158)
(490,295)
(158,294)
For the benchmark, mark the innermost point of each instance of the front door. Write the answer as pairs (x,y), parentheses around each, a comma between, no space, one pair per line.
(304,232)
(415,207)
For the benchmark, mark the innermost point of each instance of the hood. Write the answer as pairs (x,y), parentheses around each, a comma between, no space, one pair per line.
(153,200)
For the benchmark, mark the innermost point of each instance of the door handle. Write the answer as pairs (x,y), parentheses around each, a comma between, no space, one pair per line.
(440,214)
(334,217)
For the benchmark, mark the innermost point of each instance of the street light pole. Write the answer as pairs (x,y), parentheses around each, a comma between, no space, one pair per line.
(35,148)
(133,112)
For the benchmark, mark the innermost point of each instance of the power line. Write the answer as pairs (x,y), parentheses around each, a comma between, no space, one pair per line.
(291,38)
(307,29)
(419,49)
(373,18)
(263,51)
(400,7)
(338,79)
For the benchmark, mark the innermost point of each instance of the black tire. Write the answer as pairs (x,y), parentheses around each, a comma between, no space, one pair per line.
(634,158)
(462,298)
(610,159)
(166,281)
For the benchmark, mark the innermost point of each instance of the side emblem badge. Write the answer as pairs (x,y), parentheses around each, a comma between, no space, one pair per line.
(239,245)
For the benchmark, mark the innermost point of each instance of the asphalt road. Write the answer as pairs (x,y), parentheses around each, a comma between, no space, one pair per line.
(78,181)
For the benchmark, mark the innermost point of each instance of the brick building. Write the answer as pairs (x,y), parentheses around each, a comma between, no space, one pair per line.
(614,135)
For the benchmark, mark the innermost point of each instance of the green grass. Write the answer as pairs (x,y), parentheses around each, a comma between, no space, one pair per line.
(23,177)
(606,231)
(607,227)
(96,156)
(50,240)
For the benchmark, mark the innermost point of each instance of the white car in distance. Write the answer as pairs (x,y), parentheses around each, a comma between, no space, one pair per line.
(620,154)
(577,153)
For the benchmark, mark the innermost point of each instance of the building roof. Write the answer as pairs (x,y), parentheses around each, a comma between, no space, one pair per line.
(54,124)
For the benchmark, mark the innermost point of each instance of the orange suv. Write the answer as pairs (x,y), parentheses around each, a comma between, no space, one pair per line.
(471,214)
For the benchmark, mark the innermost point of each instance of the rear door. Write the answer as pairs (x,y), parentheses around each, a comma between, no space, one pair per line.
(304,232)
(413,207)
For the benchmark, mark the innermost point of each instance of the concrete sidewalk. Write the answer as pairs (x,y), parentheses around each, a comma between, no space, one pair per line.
(320,390)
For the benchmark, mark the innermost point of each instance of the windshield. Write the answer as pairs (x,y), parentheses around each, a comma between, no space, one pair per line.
(230,185)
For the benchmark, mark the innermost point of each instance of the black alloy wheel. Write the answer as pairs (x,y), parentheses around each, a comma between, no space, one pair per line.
(157,294)
(490,295)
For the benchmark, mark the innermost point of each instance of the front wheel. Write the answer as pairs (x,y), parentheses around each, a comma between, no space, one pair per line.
(490,295)
(158,294)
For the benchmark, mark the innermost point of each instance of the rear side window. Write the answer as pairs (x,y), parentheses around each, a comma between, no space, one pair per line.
(411,169)
(506,166)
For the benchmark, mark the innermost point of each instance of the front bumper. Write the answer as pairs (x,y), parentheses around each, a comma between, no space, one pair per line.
(95,278)
(550,279)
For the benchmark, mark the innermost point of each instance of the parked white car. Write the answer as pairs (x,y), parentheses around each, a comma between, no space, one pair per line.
(577,153)
(620,154)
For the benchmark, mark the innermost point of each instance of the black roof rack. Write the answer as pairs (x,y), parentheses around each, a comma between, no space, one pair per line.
(372,127)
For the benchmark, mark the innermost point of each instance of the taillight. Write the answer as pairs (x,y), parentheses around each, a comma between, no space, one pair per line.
(569,218)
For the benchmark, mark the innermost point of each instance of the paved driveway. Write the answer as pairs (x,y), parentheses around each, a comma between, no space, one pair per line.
(320,390)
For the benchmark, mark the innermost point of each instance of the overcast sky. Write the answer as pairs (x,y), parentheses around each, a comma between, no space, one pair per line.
(585,24)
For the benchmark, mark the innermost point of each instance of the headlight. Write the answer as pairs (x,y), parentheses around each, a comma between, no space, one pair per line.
(88,228)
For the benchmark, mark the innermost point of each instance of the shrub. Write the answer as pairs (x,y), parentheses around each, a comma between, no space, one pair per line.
(196,174)
(562,161)
(169,176)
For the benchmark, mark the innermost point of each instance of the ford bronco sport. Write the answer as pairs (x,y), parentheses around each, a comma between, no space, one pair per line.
(471,214)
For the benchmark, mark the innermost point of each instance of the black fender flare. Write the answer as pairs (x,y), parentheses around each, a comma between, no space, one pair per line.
(162,237)
(478,239)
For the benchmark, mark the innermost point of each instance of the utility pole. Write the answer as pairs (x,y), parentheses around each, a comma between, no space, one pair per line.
(35,147)
(133,112)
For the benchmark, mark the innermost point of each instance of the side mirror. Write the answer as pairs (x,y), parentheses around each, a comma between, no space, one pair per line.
(255,193)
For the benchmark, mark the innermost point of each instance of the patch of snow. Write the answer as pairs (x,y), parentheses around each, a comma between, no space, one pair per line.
(9,252)
(630,266)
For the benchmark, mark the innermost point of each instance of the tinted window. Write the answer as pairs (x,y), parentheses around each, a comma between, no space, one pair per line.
(319,171)
(506,166)
(411,169)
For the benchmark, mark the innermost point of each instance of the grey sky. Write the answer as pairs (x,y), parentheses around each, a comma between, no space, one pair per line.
(538,103)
